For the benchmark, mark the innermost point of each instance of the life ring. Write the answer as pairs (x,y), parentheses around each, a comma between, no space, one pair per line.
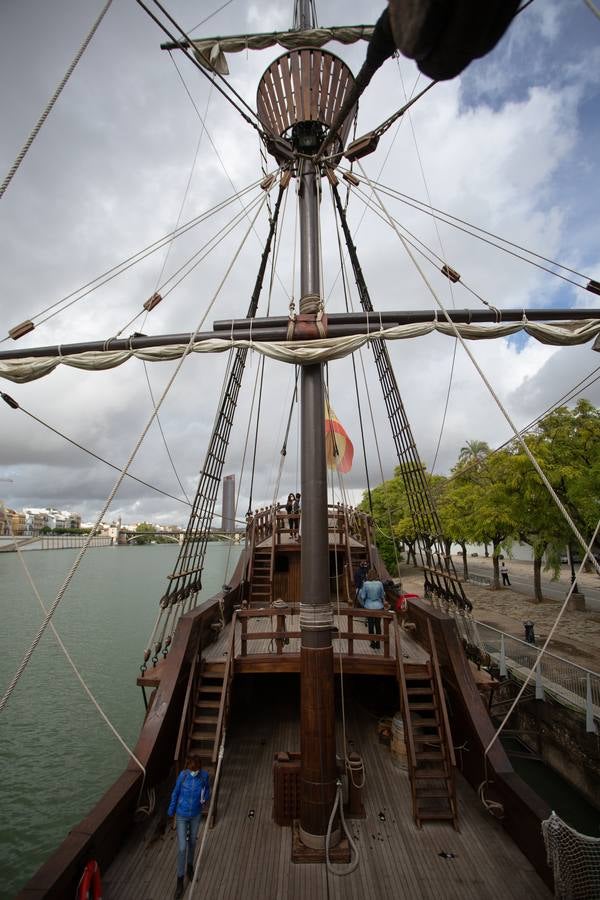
(90,885)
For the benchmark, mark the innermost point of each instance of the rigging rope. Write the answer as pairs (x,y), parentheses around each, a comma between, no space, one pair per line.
(587,555)
(14,405)
(72,663)
(75,566)
(449,219)
(52,101)
(493,394)
(126,264)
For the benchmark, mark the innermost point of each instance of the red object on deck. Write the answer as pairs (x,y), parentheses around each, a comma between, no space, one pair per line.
(401,601)
(90,886)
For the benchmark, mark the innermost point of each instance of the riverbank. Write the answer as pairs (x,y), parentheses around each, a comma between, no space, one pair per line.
(577,637)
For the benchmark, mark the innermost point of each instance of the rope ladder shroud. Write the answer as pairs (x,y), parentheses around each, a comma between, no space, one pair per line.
(439,570)
(186,580)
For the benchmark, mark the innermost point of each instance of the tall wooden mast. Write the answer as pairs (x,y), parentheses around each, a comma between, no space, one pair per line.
(298,97)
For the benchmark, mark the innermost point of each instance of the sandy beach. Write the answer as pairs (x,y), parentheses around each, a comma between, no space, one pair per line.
(577,637)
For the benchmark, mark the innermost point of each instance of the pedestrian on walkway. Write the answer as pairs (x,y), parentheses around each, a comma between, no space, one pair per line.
(372,596)
(504,573)
(191,792)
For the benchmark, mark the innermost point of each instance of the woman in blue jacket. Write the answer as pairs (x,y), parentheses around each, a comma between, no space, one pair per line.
(372,596)
(191,792)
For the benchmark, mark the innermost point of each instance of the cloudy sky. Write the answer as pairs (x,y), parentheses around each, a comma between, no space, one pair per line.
(511,146)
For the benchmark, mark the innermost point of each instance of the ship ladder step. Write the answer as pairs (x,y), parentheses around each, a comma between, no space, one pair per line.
(430,753)
(262,576)
(209,699)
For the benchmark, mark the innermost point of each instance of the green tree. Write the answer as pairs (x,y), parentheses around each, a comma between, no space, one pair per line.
(144,533)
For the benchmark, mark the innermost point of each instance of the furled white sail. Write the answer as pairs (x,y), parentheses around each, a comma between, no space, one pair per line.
(563,334)
(210,52)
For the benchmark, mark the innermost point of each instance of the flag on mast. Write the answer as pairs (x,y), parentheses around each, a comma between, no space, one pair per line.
(339,450)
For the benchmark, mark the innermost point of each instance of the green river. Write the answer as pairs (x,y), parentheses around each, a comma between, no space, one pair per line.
(57,756)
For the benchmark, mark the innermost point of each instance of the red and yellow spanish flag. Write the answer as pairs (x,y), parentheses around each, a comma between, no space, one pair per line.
(339,450)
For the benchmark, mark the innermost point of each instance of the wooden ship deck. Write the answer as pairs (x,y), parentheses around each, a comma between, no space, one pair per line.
(248,855)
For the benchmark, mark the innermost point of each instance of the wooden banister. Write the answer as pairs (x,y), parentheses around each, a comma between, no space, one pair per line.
(190,691)
(440,690)
(227,679)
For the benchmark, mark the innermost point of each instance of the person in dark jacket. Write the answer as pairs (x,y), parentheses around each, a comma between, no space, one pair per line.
(289,508)
(360,576)
(191,792)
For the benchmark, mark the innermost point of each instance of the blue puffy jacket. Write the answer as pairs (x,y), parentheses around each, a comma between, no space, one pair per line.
(189,794)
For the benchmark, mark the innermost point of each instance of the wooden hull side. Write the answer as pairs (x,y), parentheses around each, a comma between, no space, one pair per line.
(101,833)
(471,726)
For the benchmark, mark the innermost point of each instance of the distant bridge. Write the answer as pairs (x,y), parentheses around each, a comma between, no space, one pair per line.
(177,536)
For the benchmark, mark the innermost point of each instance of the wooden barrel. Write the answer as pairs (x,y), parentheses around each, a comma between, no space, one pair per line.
(398,744)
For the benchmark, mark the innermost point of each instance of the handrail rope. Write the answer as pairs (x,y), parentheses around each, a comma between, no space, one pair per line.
(192,883)
(52,101)
(449,219)
(587,555)
(80,555)
(262,373)
(592,7)
(71,661)
(95,455)
(499,403)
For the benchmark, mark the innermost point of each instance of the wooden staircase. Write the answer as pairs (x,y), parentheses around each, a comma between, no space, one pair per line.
(262,577)
(428,740)
(203,736)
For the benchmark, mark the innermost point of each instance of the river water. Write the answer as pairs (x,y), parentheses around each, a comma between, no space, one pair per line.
(57,756)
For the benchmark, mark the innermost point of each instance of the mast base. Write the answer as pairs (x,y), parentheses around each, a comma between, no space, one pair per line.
(302,853)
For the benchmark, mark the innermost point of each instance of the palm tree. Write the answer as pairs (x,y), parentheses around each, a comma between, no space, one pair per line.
(474,452)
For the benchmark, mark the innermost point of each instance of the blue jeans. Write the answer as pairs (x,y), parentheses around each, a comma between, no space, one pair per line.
(187,832)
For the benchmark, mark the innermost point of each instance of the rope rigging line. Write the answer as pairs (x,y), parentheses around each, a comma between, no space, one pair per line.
(354,374)
(75,566)
(186,580)
(570,395)
(13,169)
(426,249)
(210,16)
(283,452)
(88,451)
(72,663)
(201,68)
(493,394)
(126,264)
(449,219)
(587,555)
(450,284)
(156,286)
(214,147)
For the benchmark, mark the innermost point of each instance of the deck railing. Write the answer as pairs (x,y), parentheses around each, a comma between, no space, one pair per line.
(568,683)
(343,523)
(280,635)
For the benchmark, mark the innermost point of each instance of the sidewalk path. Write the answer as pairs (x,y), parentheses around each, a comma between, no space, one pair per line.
(577,637)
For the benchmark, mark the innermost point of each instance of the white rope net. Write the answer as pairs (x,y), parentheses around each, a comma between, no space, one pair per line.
(574,859)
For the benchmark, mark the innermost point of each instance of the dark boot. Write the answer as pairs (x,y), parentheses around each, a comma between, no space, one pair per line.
(179,889)
(190,872)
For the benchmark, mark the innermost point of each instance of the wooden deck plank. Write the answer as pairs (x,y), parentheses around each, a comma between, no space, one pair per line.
(250,858)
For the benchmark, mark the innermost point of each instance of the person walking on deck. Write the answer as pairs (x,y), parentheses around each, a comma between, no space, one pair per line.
(191,792)
(504,573)
(372,596)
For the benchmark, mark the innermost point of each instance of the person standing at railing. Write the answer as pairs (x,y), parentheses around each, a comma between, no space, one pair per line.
(372,596)
(289,508)
(297,517)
